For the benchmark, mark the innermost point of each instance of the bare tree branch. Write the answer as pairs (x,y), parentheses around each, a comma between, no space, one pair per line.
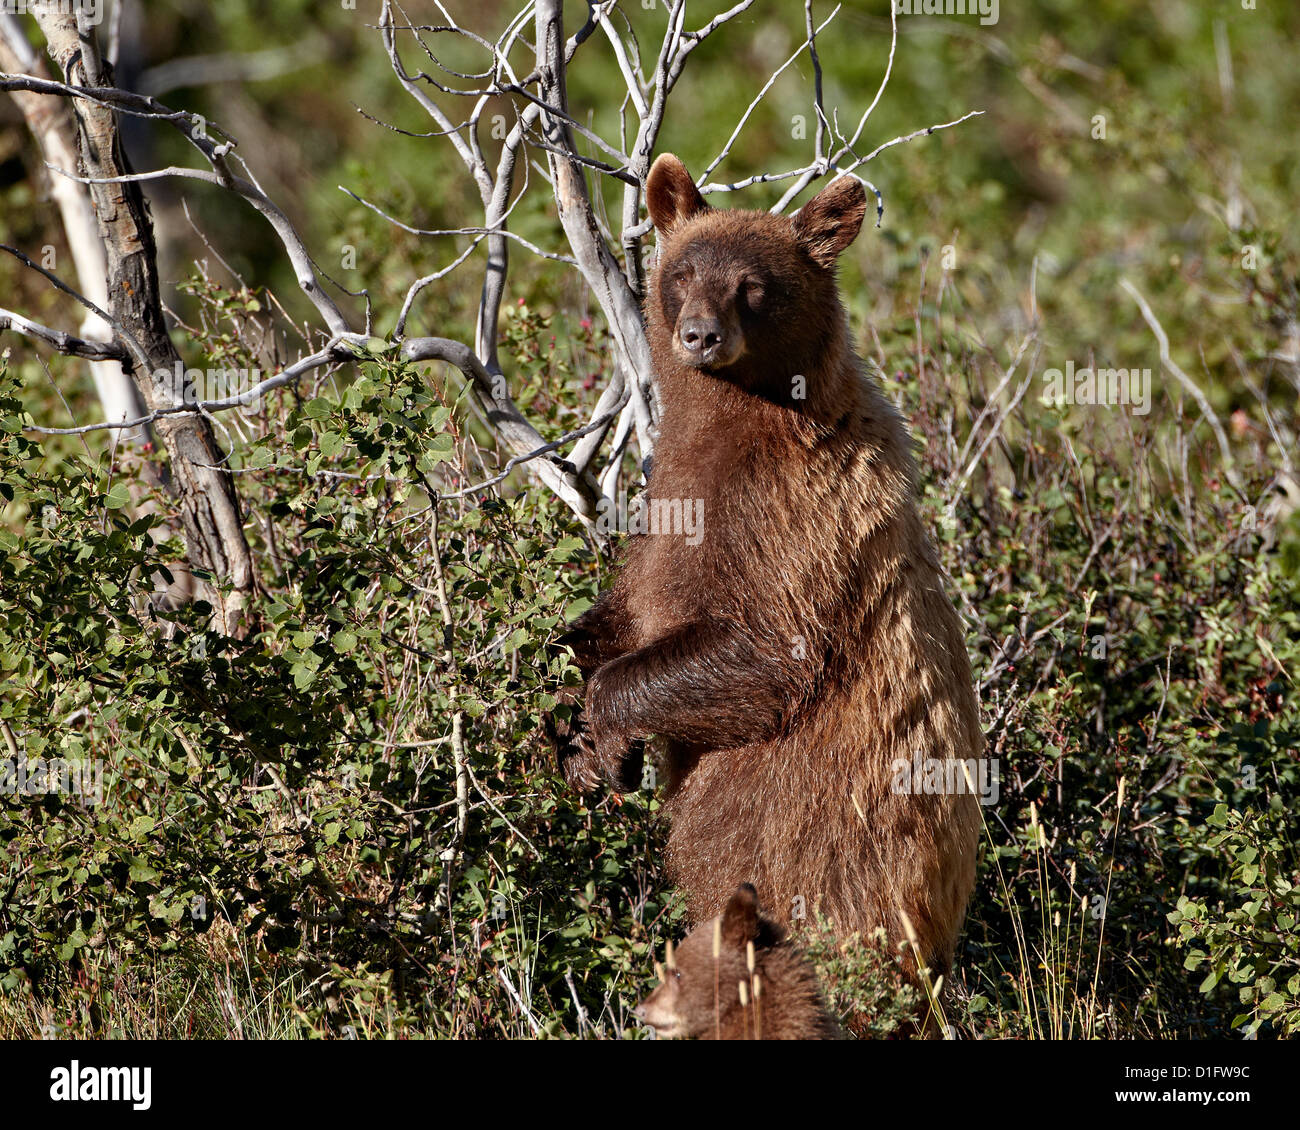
(217,154)
(620,304)
(725,151)
(527,457)
(1189,385)
(134,350)
(67,344)
(333,353)
(578,492)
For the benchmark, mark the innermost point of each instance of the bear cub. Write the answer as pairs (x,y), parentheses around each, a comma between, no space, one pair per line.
(738,978)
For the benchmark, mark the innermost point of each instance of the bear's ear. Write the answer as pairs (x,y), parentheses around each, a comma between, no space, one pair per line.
(670,195)
(831,220)
(741,920)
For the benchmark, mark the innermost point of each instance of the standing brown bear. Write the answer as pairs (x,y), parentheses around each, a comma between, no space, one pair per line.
(803,646)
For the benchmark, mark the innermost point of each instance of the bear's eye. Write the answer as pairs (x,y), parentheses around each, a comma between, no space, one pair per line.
(752,290)
(681,278)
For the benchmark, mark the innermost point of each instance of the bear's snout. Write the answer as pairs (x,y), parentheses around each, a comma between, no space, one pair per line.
(705,342)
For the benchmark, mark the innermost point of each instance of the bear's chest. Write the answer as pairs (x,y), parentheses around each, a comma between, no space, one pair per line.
(715,527)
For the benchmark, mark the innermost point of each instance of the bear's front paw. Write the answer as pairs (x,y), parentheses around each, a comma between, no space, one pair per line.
(572,743)
(618,759)
(587,763)
(580,766)
(619,753)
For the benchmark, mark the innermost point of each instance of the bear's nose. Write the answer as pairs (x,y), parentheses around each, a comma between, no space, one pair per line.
(701,336)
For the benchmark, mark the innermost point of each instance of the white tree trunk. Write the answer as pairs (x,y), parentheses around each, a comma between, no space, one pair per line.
(51,123)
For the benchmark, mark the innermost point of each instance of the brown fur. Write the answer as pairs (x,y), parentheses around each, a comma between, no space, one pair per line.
(699,995)
(807,642)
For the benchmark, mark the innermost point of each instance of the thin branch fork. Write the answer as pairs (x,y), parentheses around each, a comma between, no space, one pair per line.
(135,352)
(573,485)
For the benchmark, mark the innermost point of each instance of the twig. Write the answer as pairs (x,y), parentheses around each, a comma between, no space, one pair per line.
(332,352)
(1189,385)
(458,717)
(514,995)
(519,460)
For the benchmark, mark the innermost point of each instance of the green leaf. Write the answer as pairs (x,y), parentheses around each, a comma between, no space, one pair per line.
(141,872)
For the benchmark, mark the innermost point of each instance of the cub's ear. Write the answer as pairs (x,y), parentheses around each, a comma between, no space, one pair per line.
(741,921)
(831,220)
(670,194)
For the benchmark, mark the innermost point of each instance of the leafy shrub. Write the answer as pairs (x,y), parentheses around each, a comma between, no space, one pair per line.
(295,792)
(1250,946)
(860,978)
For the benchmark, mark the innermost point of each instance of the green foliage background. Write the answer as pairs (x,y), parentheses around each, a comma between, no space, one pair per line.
(277,850)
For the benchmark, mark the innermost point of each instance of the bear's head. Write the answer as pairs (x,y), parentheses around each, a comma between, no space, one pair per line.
(699,983)
(745,296)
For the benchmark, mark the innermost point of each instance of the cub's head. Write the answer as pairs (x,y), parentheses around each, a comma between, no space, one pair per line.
(736,293)
(699,983)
